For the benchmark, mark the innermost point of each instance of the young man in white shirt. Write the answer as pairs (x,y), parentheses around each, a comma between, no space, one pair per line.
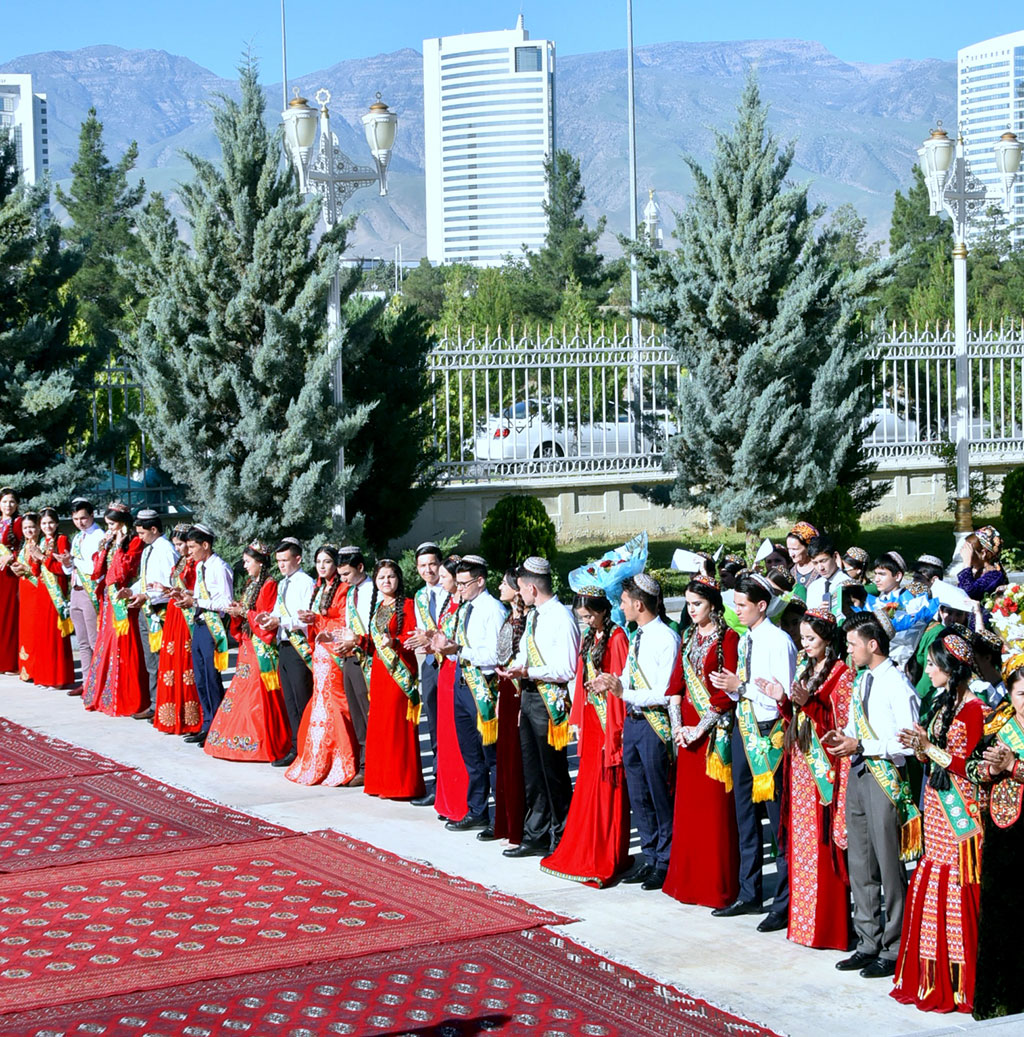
(545,665)
(352,570)
(890,705)
(428,600)
(825,556)
(767,655)
(79,565)
(651,676)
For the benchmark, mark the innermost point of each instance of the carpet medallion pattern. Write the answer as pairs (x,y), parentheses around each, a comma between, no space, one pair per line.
(26,755)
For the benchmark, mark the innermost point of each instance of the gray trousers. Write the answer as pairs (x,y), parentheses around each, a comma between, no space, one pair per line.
(83,616)
(152,658)
(358,698)
(873,831)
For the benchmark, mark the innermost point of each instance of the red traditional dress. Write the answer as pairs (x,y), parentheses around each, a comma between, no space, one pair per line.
(53,665)
(29,619)
(509,788)
(10,545)
(328,750)
(251,723)
(819,901)
(705,861)
(117,683)
(594,847)
(452,781)
(177,710)
(939,944)
(392,767)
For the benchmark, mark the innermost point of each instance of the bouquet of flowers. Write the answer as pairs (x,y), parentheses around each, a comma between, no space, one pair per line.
(1007,609)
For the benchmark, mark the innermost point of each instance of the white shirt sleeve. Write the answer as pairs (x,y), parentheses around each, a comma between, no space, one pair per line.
(297,597)
(482,633)
(558,640)
(220,584)
(657,658)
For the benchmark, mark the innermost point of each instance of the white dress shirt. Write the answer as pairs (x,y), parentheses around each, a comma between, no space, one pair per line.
(825,585)
(485,617)
(85,545)
(293,593)
(557,636)
(363,594)
(656,656)
(220,584)
(435,599)
(771,654)
(891,705)
(158,561)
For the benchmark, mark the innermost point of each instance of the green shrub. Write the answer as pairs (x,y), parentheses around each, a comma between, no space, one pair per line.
(515,528)
(1012,519)
(673,582)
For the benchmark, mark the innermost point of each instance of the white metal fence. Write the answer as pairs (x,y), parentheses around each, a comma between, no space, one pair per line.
(592,404)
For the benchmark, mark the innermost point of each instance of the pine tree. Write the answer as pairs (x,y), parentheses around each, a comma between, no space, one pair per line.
(233,349)
(767,324)
(44,391)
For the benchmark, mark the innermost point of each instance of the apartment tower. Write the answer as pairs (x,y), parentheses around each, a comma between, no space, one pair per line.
(23,115)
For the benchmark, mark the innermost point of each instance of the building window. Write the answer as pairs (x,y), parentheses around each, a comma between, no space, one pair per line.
(528,59)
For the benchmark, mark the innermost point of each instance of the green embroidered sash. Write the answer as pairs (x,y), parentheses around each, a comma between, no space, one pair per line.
(122,624)
(60,603)
(266,659)
(892,783)
(24,559)
(88,583)
(483,692)
(1012,735)
(962,816)
(355,624)
(818,763)
(214,623)
(595,698)
(556,698)
(656,716)
(400,672)
(763,752)
(154,620)
(422,602)
(719,757)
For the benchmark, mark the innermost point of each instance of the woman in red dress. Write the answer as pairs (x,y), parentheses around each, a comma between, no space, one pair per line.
(327,749)
(939,945)
(54,663)
(177,710)
(117,683)
(704,864)
(10,544)
(819,901)
(594,847)
(392,767)
(29,620)
(251,725)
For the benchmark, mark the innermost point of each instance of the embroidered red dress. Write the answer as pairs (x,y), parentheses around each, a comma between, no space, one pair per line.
(10,538)
(939,944)
(177,710)
(53,665)
(594,847)
(452,781)
(392,768)
(117,683)
(819,901)
(328,749)
(29,620)
(251,723)
(704,864)
(842,696)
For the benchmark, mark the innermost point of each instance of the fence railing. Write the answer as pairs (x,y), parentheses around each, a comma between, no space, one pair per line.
(590,403)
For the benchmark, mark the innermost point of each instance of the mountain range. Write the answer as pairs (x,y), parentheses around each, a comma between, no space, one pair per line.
(856,126)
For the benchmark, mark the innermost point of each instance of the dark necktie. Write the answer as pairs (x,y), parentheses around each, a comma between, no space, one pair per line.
(827,597)
(748,655)
(865,694)
(431,604)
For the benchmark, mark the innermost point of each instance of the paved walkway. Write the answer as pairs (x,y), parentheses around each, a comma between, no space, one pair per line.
(760,977)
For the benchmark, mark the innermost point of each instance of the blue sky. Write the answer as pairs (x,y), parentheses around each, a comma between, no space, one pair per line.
(213,32)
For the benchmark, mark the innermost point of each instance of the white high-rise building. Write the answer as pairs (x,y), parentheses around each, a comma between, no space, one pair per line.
(23,114)
(990,101)
(489,124)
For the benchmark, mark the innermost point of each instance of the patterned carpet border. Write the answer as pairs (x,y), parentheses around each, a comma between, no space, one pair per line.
(63,821)
(514,984)
(82,932)
(27,755)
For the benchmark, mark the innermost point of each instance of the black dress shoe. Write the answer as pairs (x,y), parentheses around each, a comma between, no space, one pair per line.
(423,801)
(525,850)
(655,879)
(855,962)
(880,968)
(286,761)
(773,923)
(739,907)
(638,873)
(467,824)
(487,835)
(195,738)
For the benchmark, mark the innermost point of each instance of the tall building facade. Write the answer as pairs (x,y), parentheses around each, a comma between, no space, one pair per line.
(990,101)
(23,114)
(489,124)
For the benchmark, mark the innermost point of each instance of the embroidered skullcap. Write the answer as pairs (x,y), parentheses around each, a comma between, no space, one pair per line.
(858,556)
(81,502)
(989,538)
(959,648)
(707,581)
(898,559)
(202,528)
(821,613)
(804,532)
(762,581)
(538,566)
(990,637)
(647,583)
(146,514)
(884,621)
(427,546)
(591,590)
(290,540)
(475,560)
(350,549)
(930,560)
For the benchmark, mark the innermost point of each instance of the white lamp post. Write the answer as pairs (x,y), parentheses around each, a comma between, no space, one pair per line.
(954,189)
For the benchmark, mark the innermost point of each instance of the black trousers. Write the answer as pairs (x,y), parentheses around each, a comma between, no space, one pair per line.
(748,821)
(428,696)
(647,762)
(478,758)
(545,774)
(296,686)
(358,697)
(152,658)
(209,686)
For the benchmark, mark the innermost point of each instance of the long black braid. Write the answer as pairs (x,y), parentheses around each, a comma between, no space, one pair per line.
(254,586)
(946,706)
(813,675)
(591,647)
(451,563)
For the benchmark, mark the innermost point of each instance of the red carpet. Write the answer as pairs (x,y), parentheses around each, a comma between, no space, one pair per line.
(86,931)
(515,984)
(26,755)
(46,824)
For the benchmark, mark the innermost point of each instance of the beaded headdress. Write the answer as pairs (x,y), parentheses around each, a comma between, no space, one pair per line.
(823,614)
(259,547)
(119,511)
(989,538)
(959,648)
(591,590)
(707,581)
(858,556)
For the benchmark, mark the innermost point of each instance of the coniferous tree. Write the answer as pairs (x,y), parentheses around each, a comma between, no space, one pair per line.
(766,323)
(44,402)
(233,349)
